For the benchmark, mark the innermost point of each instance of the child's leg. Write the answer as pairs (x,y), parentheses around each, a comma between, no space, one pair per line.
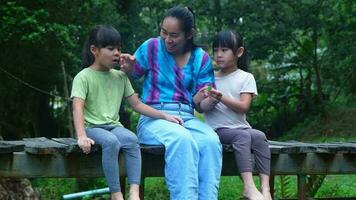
(263,159)
(241,143)
(132,155)
(265,186)
(110,151)
(261,151)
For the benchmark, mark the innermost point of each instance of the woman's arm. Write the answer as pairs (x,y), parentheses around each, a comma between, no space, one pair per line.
(78,117)
(144,109)
(206,100)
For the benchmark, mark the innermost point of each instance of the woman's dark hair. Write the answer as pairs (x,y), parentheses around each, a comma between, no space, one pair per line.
(186,16)
(232,40)
(100,36)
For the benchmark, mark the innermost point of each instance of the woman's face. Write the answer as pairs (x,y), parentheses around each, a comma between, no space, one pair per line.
(172,34)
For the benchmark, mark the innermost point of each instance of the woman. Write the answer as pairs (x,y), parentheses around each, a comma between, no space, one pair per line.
(175,75)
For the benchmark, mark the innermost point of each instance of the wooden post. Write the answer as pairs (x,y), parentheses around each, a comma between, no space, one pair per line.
(123,185)
(66,94)
(271,185)
(142,189)
(302,182)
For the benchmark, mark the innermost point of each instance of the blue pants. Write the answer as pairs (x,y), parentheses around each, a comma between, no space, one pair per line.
(193,155)
(112,139)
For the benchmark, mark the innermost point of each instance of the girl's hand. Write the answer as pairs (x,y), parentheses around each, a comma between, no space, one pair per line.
(173,119)
(215,95)
(85,143)
(126,62)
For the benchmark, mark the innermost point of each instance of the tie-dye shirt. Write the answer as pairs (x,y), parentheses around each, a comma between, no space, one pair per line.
(163,80)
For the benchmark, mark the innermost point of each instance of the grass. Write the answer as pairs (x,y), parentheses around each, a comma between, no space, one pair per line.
(230,188)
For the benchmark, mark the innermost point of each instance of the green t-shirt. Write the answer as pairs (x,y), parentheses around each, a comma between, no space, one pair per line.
(102,93)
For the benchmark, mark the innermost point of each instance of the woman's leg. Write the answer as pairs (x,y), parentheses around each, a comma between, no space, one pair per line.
(262,155)
(132,155)
(241,143)
(181,155)
(210,157)
(110,151)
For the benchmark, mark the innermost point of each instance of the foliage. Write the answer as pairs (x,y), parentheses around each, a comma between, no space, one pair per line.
(54,188)
(302,54)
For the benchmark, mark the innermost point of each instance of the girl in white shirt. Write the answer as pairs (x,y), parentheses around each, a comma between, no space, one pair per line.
(228,118)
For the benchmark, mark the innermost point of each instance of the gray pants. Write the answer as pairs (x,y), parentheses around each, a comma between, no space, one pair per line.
(112,139)
(245,141)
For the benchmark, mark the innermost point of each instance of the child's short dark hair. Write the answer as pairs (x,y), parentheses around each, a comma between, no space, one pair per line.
(232,40)
(100,36)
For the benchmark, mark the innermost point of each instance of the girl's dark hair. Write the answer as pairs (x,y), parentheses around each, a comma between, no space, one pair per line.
(186,16)
(100,36)
(232,40)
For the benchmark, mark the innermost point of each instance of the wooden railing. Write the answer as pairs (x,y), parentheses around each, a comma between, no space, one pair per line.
(61,157)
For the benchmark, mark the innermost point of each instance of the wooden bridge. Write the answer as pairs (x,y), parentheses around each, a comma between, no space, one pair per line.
(61,157)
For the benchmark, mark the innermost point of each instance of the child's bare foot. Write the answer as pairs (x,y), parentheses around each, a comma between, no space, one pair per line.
(117,196)
(266,194)
(252,193)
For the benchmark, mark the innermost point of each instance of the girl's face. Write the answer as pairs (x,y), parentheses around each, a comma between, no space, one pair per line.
(224,57)
(106,58)
(172,34)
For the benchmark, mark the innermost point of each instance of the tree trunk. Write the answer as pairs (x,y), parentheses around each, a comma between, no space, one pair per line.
(66,95)
(13,189)
(317,69)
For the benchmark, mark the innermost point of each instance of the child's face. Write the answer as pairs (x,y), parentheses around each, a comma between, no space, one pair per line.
(225,57)
(108,57)
(174,38)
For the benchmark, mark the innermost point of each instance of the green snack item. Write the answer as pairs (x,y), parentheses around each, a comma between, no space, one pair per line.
(208,88)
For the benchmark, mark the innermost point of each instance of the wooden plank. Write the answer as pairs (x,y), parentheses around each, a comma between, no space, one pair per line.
(313,163)
(302,147)
(292,147)
(153,149)
(11,146)
(25,165)
(43,145)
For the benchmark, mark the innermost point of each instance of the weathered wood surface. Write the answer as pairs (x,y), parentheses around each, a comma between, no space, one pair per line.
(290,147)
(11,146)
(61,157)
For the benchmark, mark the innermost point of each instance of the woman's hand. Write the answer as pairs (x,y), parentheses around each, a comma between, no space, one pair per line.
(126,62)
(85,143)
(201,95)
(173,119)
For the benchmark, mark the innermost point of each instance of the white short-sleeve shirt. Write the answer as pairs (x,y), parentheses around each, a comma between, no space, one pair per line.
(231,85)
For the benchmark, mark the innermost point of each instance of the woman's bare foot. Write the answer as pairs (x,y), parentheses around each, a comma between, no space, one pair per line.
(266,194)
(117,196)
(133,196)
(134,192)
(251,193)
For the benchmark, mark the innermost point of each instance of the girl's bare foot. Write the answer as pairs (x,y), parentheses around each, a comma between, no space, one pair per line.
(251,193)
(266,194)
